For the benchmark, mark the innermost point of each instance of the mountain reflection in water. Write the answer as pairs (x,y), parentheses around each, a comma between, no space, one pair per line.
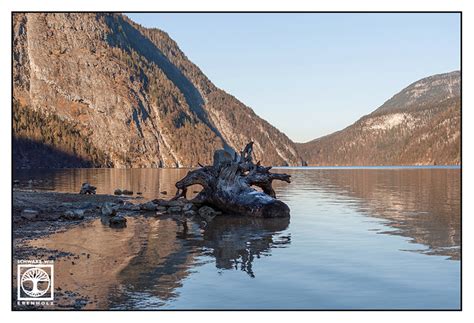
(421,204)
(357,238)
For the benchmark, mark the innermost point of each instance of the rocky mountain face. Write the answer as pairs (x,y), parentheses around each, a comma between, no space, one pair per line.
(100,90)
(421,125)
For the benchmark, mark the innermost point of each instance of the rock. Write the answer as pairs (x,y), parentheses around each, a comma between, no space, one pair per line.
(190,213)
(29,214)
(109,209)
(164,192)
(188,207)
(118,191)
(148,206)
(118,221)
(127,192)
(160,208)
(74,215)
(208,213)
(84,205)
(139,193)
(16,182)
(87,189)
(174,209)
(130,206)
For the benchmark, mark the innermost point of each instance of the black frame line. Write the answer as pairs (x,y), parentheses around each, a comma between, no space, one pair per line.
(247,310)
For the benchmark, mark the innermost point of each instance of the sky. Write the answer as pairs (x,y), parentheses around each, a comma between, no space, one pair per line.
(310,74)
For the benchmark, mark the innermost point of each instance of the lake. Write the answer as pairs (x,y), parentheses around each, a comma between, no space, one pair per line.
(358,238)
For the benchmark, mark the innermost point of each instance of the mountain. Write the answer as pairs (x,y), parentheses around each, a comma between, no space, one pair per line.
(100,90)
(421,125)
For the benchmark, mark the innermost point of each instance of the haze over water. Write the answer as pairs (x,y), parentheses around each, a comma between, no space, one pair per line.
(375,238)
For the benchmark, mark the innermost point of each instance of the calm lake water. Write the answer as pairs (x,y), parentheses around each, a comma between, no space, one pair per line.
(375,238)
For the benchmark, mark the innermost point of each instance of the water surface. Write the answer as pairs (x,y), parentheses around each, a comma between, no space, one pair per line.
(372,238)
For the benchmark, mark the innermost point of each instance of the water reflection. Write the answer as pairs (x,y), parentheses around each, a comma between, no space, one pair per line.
(421,204)
(343,246)
(153,256)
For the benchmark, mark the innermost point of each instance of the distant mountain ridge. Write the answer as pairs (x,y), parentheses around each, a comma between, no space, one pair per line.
(420,125)
(100,90)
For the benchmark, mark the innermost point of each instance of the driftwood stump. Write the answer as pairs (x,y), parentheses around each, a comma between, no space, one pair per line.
(227,185)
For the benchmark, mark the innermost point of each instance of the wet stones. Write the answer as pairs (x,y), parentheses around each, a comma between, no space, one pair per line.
(87,188)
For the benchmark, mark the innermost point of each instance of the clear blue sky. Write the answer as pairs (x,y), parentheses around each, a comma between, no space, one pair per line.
(312,74)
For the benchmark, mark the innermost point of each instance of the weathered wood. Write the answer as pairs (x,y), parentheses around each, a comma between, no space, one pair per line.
(227,185)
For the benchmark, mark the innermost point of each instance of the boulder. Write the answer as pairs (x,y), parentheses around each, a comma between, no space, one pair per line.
(73,215)
(109,209)
(87,188)
(118,221)
(130,206)
(118,191)
(148,206)
(29,214)
(127,192)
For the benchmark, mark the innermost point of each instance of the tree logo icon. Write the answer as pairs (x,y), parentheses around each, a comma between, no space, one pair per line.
(35,282)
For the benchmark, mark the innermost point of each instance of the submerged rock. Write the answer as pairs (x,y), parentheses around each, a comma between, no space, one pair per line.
(208,213)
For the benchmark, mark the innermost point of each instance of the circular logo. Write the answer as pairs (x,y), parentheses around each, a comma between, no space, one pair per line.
(35,282)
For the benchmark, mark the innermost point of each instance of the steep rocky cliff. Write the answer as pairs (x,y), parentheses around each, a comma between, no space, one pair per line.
(100,90)
(421,125)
